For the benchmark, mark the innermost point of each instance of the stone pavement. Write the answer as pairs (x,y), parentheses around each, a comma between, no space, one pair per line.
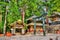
(33,37)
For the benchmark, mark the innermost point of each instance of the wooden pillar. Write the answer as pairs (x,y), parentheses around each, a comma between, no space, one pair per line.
(44,29)
(34,26)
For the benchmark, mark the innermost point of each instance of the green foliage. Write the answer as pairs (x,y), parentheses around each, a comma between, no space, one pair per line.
(30,7)
(1,28)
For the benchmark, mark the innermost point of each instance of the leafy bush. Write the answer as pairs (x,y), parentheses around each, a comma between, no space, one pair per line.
(1,27)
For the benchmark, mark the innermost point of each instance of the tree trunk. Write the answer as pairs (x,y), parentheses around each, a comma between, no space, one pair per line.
(5,21)
(23,16)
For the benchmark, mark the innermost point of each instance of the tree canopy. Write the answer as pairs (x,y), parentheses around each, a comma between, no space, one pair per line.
(30,7)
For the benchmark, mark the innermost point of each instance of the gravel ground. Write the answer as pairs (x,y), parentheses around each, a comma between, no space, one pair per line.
(32,37)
